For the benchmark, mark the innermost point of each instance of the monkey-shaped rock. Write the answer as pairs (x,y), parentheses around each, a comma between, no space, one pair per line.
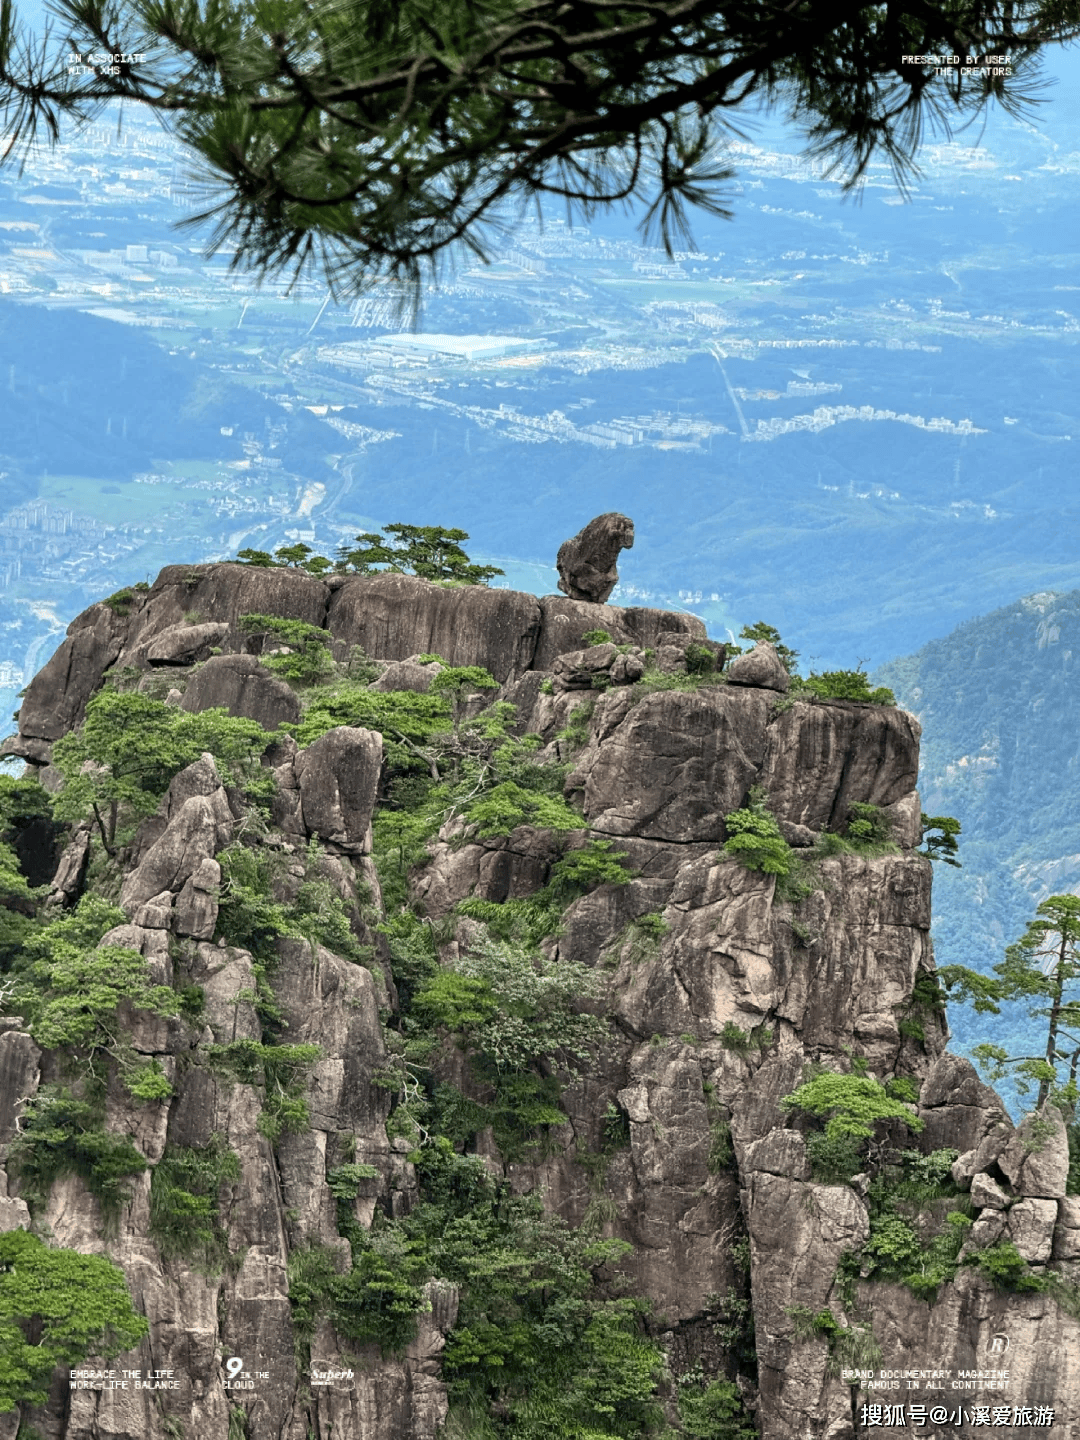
(587,561)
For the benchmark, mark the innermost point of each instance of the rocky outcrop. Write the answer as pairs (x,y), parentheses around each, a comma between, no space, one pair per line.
(185,644)
(410,674)
(587,561)
(726,987)
(192,611)
(191,596)
(198,823)
(395,616)
(242,685)
(337,778)
(598,667)
(56,698)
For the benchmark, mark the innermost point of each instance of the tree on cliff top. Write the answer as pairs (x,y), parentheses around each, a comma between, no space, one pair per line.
(425,550)
(368,137)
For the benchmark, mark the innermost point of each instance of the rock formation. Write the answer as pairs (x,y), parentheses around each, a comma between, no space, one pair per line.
(770,1285)
(587,560)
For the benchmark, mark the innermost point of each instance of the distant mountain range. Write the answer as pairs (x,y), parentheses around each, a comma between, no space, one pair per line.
(999,702)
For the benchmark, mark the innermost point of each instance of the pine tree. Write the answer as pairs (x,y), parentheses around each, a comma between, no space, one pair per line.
(1041,971)
(369,138)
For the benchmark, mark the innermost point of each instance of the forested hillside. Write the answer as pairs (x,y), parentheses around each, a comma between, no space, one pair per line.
(999,702)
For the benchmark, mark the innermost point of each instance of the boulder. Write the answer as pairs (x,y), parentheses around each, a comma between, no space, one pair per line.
(408,674)
(956,1108)
(649,627)
(185,644)
(989,1228)
(395,616)
(196,909)
(338,779)
(1031,1229)
(1036,1160)
(155,913)
(581,669)
(987,1194)
(14,1215)
(198,824)
(244,686)
(587,561)
(760,666)
(979,1159)
(67,883)
(564,622)
(670,647)
(783,1152)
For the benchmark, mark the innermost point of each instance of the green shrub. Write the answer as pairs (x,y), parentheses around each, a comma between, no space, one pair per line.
(1006,1268)
(63,1135)
(654,682)
(185,1217)
(614,1129)
(248,915)
(852,1106)
(641,940)
(82,990)
(508,805)
(56,1308)
(278,1069)
(583,870)
(307,659)
(847,685)
(596,637)
(148,1083)
(402,717)
(743,1042)
(721,1152)
(344,1181)
(130,746)
(700,660)
(754,838)
(120,602)
(713,1410)
(834,1159)
(284,1112)
(936,1265)
(763,631)
(575,733)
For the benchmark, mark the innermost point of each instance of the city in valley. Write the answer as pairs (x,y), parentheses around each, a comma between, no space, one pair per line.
(808,363)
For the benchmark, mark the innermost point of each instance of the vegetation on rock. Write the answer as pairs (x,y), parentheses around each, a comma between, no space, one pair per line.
(56,1308)
(429,551)
(1041,972)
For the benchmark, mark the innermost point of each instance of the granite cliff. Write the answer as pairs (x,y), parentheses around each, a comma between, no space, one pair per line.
(385,1164)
